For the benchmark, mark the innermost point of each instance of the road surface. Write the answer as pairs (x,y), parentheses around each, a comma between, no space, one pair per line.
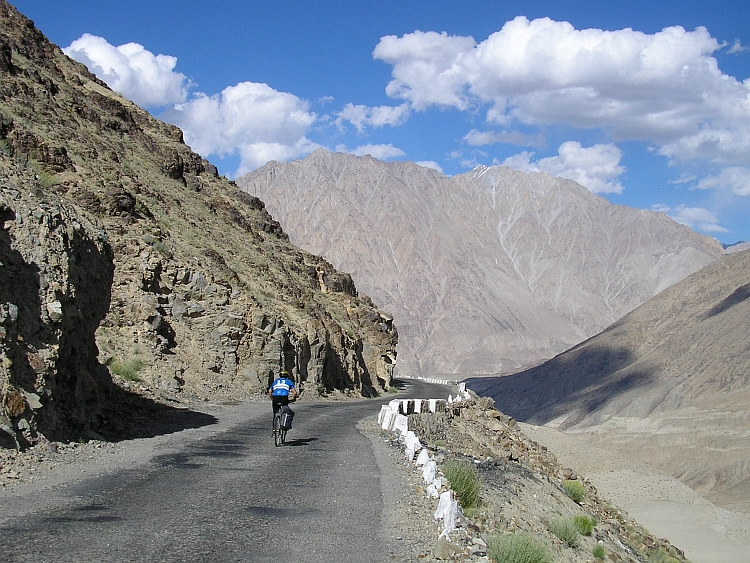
(220,493)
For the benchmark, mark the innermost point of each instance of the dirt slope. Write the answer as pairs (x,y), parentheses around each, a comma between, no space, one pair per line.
(669,383)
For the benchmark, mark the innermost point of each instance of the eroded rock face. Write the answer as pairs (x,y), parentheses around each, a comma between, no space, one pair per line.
(197,324)
(55,283)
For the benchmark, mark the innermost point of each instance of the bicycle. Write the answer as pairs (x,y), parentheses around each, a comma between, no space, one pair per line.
(279,434)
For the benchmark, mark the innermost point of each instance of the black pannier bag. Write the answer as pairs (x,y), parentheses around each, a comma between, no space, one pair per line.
(287,414)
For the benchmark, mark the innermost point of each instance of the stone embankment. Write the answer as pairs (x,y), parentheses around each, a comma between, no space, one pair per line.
(522,485)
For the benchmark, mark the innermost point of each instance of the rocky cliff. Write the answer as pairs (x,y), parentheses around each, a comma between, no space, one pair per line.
(487,271)
(127,259)
(668,383)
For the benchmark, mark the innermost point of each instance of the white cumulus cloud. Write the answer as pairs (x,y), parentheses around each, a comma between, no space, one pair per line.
(481,138)
(596,168)
(735,179)
(249,119)
(361,116)
(148,80)
(737,48)
(430,164)
(693,217)
(426,68)
(382,152)
(665,88)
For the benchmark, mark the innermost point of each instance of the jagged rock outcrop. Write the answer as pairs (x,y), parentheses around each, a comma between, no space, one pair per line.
(486,271)
(668,383)
(208,297)
(55,276)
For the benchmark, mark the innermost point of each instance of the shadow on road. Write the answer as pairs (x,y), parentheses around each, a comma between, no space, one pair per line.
(399,384)
(141,417)
(300,442)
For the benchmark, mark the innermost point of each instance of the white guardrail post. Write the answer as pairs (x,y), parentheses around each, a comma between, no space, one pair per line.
(393,418)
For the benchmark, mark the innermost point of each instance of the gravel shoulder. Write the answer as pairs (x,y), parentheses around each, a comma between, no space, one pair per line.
(665,506)
(407,518)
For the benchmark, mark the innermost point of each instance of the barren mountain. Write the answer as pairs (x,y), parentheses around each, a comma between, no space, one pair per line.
(669,383)
(126,259)
(487,271)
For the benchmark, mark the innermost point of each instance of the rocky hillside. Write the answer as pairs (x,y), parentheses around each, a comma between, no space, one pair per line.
(127,259)
(484,272)
(668,383)
(522,493)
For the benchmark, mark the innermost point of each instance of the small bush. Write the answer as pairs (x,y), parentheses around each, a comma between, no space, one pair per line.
(464,480)
(47,180)
(517,548)
(6,148)
(574,489)
(566,530)
(599,552)
(157,245)
(584,524)
(127,369)
(661,556)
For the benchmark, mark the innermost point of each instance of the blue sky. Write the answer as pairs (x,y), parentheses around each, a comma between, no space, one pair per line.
(646,104)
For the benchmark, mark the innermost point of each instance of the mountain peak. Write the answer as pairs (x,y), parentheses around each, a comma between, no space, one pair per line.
(485,271)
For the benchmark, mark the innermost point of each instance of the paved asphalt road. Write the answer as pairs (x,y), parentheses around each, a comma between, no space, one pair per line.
(228,496)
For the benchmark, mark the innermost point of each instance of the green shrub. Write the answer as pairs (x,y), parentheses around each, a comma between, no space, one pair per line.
(127,369)
(661,556)
(566,530)
(574,489)
(517,548)
(584,524)
(464,480)
(6,148)
(157,245)
(599,552)
(47,180)
(472,513)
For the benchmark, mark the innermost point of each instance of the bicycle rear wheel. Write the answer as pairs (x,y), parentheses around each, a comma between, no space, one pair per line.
(277,439)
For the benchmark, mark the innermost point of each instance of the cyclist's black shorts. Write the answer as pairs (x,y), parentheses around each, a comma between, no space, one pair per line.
(279,401)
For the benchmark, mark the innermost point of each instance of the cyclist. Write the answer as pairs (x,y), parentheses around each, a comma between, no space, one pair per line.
(281,391)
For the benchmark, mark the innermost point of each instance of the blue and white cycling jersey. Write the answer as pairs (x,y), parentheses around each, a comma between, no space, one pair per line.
(281,387)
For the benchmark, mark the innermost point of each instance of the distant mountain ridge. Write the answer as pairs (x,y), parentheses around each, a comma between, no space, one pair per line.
(486,271)
(669,383)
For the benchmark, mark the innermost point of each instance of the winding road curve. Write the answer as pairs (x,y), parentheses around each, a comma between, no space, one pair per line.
(221,496)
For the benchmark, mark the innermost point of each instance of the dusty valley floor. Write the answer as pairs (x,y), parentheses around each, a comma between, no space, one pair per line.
(666,507)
